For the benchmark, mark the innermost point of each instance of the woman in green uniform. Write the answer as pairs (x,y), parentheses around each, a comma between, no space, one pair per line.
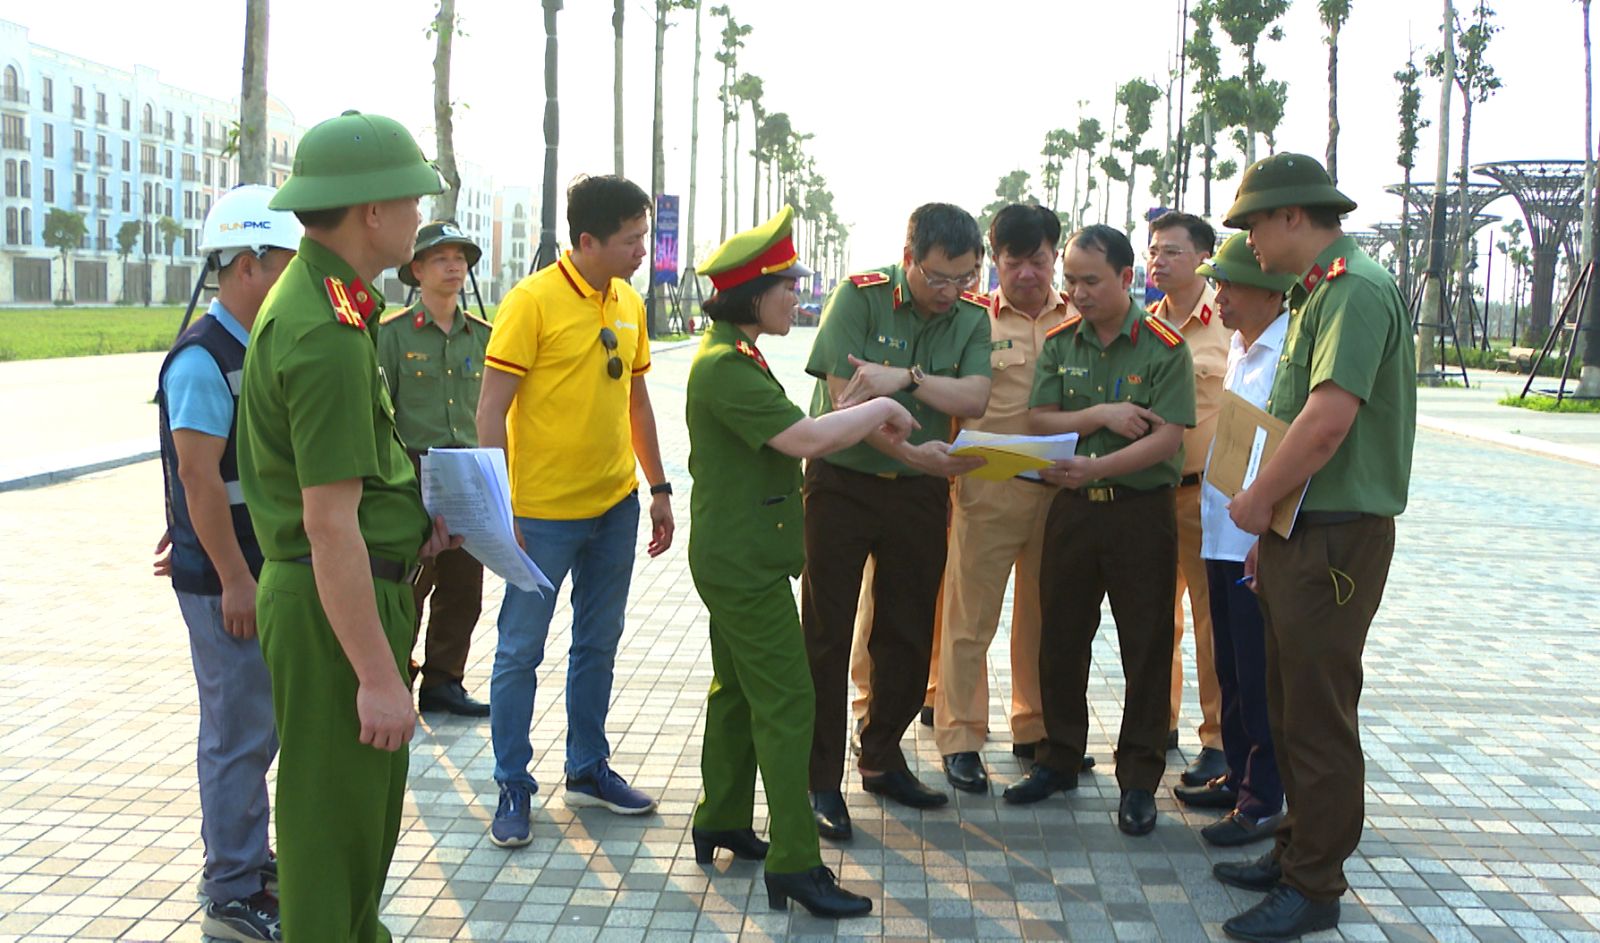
(746,440)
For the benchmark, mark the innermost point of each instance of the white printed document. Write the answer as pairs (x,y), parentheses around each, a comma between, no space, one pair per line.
(1010,456)
(469,488)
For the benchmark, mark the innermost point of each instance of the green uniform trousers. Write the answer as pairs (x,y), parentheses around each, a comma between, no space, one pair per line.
(338,801)
(759,714)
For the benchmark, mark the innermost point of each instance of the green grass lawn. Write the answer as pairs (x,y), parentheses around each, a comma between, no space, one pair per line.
(1547,404)
(37,333)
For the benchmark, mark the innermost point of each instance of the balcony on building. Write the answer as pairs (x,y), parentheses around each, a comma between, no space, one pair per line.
(103,158)
(151,167)
(13,97)
(80,155)
(101,117)
(191,175)
(214,142)
(80,198)
(14,142)
(104,244)
(149,128)
(78,112)
(167,132)
(103,201)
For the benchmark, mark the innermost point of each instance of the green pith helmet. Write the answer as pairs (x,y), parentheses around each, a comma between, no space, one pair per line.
(1236,263)
(439,233)
(1284,180)
(355,159)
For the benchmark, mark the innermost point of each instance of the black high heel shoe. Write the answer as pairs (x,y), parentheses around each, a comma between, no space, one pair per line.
(741,841)
(816,890)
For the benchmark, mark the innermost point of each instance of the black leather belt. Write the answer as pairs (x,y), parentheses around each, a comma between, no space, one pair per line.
(1193,478)
(384,569)
(1034,481)
(1325,518)
(1105,494)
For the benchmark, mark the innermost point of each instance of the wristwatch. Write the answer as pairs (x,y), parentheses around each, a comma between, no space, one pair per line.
(917,377)
(664,488)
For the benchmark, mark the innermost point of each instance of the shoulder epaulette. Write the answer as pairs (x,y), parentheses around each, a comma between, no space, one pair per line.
(477,318)
(749,350)
(1068,324)
(868,279)
(1339,267)
(977,298)
(396,313)
(344,310)
(1163,330)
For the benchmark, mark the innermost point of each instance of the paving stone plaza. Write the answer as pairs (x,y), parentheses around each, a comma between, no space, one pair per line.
(1480,717)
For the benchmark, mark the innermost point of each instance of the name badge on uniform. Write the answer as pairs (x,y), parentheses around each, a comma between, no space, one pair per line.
(1081,372)
(1001,345)
(892,342)
(415,355)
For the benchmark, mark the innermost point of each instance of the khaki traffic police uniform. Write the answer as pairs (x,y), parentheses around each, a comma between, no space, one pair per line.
(1320,588)
(746,544)
(1207,341)
(1116,538)
(433,378)
(996,528)
(314,410)
(860,503)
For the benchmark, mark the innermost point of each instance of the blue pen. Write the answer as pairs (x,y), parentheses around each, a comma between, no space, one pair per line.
(469,366)
(1116,391)
(1244,581)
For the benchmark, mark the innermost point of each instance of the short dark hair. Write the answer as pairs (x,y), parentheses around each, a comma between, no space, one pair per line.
(1201,234)
(1324,217)
(1021,228)
(737,305)
(599,205)
(945,225)
(1108,240)
(322,219)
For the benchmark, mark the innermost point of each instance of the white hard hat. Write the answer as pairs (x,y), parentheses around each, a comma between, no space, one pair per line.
(241,222)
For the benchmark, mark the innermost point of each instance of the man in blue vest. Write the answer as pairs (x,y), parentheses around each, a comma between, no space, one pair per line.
(215,561)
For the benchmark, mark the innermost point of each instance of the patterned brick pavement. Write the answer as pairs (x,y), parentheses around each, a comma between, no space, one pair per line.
(1479,733)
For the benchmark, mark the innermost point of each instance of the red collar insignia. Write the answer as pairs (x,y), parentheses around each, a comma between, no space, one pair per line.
(749,350)
(897,296)
(1339,267)
(1314,277)
(1205,315)
(344,310)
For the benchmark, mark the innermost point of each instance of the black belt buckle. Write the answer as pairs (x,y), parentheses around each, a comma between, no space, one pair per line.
(1193,478)
(413,575)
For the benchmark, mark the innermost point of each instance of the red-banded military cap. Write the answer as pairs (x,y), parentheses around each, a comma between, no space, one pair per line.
(767,249)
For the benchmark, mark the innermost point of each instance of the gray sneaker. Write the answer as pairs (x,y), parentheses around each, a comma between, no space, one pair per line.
(251,919)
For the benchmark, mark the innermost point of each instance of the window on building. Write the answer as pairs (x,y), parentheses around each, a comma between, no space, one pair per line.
(9,84)
(77,101)
(208,170)
(27,226)
(79,195)
(149,120)
(25,173)
(222,174)
(79,152)
(102,154)
(47,93)
(147,206)
(127,197)
(188,242)
(145,239)
(49,186)
(49,140)
(127,116)
(13,235)
(168,203)
(188,129)
(102,189)
(100,115)
(103,242)
(188,204)
(147,159)
(169,126)
(167,164)
(207,211)
(127,155)
(11,178)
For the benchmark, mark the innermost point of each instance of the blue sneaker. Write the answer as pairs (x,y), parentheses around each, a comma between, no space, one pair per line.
(511,828)
(605,789)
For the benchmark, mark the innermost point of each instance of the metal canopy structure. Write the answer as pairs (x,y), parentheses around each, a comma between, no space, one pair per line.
(1550,194)
(1420,196)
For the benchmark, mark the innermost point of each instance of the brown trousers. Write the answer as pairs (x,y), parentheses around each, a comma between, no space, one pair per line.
(1192,577)
(901,523)
(1127,550)
(1319,591)
(454,580)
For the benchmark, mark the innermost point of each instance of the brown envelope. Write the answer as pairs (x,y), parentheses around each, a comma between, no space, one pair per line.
(1247,436)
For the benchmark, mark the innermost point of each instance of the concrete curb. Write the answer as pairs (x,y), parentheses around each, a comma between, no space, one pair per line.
(1514,441)
(20,476)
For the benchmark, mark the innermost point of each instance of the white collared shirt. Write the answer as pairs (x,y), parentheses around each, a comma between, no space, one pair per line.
(1250,374)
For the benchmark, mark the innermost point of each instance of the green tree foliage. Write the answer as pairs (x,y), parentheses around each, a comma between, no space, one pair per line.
(1411,125)
(1012,188)
(1137,98)
(1477,82)
(1249,102)
(1334,14)
(170,231)
(127,237)
(64,231)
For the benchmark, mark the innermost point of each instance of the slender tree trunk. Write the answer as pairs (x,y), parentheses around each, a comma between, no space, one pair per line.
(546,254)
(658,165)
(253,95)
(444,28)
(1209,154)
(1434,278)
(1333,102)
(1589,377)
(726,99)
(738,120)
(1250,122)
(755,165)
(694,150)
(1463,221)
(1405,238)
(616,88)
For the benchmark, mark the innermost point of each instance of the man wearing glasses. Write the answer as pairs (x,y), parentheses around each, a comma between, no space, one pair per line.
(915,332)
(565,396)
(1179,242)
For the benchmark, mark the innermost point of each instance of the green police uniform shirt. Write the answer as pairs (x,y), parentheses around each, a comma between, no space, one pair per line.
(1147,364)
(314,410)
(746,504)
(1348,325)
(871,316)
(433,376)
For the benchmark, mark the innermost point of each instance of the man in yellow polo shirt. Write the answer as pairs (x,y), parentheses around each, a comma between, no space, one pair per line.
(565,396)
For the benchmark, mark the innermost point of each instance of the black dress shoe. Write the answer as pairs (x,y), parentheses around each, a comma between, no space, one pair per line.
(903,788)
(1235,829)
(1172,740)
(1262,874)
(1136,815)
(833,819)
(816,890)
(1216,794)
(741,841)
(965,772)
(1041,783)
(1285,914)
(1208,765)
(1028,751)
(451,698)
(926,716)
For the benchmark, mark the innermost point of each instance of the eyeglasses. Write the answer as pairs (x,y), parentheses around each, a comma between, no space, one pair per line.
(939,282)
(1167,252)
(608,340)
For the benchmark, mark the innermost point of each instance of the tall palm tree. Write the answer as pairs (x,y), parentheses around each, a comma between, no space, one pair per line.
(1589,376)
(444,30)
(253,95)
(1334,13)
(732,40)
(546,253)
(616,88)
(694,149)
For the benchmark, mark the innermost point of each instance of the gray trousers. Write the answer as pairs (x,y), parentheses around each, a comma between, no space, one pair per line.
(237,743)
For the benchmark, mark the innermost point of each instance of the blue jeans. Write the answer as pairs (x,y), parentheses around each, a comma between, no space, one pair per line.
(599,553)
